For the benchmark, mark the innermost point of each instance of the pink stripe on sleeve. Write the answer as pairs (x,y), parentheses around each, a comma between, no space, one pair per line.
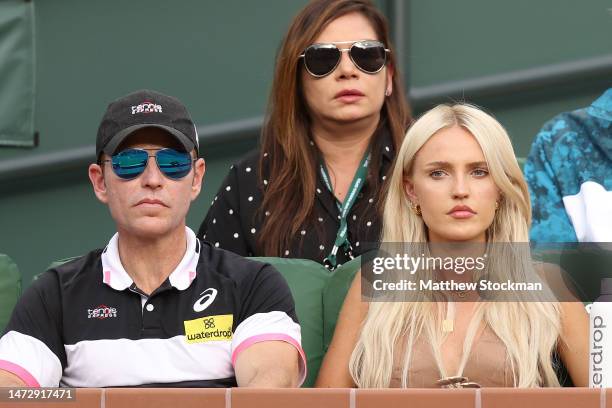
(20,372)
(272,337)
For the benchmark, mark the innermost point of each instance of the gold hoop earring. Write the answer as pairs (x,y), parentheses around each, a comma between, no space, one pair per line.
(496,205)
(416,208)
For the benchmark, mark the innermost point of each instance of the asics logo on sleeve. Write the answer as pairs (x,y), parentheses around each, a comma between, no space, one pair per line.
(208,296)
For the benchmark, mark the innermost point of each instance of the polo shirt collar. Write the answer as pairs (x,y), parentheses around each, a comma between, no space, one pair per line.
(115,276)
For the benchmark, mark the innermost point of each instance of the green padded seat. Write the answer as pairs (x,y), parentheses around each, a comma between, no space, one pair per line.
(57,263)
(307,280)
(318,295)
(333,297)
(10,289)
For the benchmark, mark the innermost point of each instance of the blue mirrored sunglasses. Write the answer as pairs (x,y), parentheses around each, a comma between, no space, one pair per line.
(131,163)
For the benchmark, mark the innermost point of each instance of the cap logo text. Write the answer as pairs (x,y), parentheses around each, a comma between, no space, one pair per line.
(146,107)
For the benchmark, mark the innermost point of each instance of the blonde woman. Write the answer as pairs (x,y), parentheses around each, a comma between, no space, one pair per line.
(457,180)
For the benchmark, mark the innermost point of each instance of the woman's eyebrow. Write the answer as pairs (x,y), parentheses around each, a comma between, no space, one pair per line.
(448,164)
(438,164)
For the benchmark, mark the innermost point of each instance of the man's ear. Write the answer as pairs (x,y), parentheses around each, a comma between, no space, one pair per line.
(198,177)
(96,176)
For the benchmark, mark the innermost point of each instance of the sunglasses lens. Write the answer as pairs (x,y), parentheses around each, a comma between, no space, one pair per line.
(129,163)
(321,59)
(174,164)
(369,56)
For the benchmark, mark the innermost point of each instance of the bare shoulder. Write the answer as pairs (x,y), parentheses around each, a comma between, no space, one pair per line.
(559,281)
(546,269)
(354,300)
(564,291)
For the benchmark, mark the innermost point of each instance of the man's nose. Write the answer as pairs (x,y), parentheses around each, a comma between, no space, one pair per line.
(151,176)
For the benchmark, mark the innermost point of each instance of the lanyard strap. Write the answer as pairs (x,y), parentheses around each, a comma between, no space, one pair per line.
(342,241)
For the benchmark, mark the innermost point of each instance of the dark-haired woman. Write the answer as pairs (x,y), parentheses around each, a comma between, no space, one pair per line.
(336,116)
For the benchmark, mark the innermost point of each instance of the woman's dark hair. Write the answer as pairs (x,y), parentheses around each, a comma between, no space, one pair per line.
(287,161)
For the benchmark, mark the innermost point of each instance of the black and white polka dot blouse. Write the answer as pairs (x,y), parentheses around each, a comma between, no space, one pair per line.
(233,222)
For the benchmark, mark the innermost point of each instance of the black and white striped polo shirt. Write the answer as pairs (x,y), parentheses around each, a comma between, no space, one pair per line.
(86,324)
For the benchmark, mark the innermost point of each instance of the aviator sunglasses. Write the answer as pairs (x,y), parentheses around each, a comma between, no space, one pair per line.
(131,163)
(321,59)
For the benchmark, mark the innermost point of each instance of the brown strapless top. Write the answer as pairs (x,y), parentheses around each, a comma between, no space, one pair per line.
(488,364)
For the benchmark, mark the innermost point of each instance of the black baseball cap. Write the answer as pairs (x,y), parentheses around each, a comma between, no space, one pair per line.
(140,109)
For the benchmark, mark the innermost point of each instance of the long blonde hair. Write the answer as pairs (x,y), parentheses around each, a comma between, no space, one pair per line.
(529,330)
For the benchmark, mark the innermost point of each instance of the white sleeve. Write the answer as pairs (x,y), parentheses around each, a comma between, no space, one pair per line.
(30,360)
(270,326)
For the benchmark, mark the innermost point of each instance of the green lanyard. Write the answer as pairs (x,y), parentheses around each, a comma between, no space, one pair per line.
(342,241)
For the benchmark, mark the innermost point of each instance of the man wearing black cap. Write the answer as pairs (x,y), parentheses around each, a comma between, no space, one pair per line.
(156,306)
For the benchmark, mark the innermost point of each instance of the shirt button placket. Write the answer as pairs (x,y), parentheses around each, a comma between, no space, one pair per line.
(151,320)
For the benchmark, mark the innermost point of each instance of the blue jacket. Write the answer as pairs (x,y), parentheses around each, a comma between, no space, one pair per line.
(569,172)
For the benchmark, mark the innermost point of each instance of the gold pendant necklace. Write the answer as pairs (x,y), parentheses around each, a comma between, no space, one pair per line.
(448,324)
(459,293)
